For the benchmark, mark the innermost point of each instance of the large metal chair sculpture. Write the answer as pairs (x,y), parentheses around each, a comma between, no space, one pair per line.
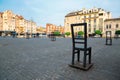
(82,46)
(108,38)
(53,37)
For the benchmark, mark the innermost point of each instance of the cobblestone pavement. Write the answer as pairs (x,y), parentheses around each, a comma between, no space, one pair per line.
(42,59)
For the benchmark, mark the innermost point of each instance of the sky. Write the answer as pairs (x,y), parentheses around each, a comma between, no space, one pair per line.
(54,11)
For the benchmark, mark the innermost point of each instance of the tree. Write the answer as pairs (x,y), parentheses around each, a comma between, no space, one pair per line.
(98,32)
(80,33)
(67,34)
(56,33)
(117,32)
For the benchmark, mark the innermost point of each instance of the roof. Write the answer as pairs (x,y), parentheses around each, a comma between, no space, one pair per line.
(112,19)
(1,12)
(81,12)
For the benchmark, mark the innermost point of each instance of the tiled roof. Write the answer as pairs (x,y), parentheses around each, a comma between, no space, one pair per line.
(112,19)
(81,11)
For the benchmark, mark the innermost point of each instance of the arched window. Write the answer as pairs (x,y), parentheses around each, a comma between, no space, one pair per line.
(110,26)
(117,25)
(106,26)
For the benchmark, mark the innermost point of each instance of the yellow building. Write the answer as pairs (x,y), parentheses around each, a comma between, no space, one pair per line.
(112,25)
(1,21)
(8,21)
(19,23)
(12,22)
(93,17)
(52,28)
(41,30)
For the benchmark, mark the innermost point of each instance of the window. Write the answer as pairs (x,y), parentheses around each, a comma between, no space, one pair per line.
(84,16)
(106,26)
(117,25)
(94,20)
(110,26)
(89,20)
(100,14)
(89,29)
(89,25)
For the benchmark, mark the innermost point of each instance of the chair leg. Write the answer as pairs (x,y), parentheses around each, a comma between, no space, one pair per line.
(84,59)
(73,56)
(78,55)
(90,56)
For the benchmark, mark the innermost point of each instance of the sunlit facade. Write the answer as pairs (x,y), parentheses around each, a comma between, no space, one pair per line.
(8,21)
(112,25)
(52,28)
(1,21)
(93,17)
(12,22)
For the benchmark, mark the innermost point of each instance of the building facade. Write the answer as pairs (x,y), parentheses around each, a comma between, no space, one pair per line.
(12,22)
(93,17)
(8,21)
(41,30)
(1,21)
(112,25)
(52,28)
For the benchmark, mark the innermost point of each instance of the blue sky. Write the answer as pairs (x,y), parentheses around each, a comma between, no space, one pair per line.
(54,11)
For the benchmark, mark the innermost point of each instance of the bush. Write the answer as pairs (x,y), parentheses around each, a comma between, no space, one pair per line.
(117,32)
(98,32)
(80,33)
(67,33)
(56,33)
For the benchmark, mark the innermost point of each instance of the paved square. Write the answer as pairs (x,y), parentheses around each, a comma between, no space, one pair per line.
(42,59)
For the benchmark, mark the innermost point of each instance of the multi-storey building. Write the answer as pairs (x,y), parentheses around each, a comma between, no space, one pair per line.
(60,29)
(112,25)
(93,17)
(33,27)
(10,22)
(19,22)
(52,28)
(1,21)
(23,25)
(41,30)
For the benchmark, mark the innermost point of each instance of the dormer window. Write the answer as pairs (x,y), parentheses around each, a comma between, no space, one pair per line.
(100,14)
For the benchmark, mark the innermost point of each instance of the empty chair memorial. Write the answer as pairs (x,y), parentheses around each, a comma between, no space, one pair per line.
(108,38)
(52,36)
(81,53)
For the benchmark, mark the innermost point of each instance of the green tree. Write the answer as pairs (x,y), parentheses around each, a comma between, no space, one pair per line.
(57,33)
(80,33)
(67,34)
(98,32)
(117,32)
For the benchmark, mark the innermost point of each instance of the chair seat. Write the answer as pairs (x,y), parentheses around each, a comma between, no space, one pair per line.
(82,48)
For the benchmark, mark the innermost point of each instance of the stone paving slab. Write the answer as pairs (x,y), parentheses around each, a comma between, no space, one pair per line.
(42,59)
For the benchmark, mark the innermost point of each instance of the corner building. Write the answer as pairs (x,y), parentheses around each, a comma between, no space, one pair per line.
(112,25)
(93,17)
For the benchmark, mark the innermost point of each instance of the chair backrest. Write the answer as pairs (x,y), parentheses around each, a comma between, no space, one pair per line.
(108,34)
(81,40)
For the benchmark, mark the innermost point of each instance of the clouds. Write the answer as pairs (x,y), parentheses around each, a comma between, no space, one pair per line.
(53,11)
